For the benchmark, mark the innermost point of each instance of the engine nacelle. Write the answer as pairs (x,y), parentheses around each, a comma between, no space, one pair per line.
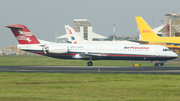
(59,49)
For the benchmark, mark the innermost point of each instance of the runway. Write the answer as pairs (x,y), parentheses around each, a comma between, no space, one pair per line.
(92,69)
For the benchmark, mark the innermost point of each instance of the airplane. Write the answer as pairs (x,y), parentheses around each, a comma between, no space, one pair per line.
(28,42)
(149,37)
(73,37)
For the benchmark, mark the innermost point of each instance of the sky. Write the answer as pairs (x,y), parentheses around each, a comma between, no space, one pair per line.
(41,17)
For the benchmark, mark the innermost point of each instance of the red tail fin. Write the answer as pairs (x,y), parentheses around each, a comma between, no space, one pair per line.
(23,34)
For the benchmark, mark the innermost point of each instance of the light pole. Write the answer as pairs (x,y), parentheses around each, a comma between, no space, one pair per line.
(56,35)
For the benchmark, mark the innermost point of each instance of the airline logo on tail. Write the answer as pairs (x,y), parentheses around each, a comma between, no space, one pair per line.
(23,35)
(145,30)
(70,33)
(72,38)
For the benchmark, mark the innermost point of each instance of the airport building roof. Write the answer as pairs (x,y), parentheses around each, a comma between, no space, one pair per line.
(80,22)
(172,14)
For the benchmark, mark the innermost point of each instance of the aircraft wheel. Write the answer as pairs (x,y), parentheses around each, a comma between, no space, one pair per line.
(155,64)
(159,64)
(162,64)
(89,63)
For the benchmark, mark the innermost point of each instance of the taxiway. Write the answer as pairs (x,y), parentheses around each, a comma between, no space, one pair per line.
(93,69)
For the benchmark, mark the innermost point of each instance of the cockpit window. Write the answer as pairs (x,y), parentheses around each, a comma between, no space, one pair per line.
(166,50)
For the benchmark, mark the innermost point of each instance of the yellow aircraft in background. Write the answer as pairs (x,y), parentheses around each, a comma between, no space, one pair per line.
(149,37)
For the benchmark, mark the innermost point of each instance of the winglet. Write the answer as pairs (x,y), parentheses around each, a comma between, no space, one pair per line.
(145,31)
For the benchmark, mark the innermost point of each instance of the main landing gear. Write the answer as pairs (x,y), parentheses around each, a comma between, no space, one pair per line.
(90,63)
(159,64)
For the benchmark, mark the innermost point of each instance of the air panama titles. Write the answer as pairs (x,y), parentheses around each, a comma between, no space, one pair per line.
(132,47)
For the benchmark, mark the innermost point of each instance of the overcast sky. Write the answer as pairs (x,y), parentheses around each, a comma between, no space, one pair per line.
(42,16)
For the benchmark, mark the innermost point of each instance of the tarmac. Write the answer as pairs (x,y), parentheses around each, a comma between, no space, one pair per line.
(93,69)
(173,69)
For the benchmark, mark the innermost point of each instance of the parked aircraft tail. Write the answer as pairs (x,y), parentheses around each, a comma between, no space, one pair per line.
(73,36)
(145,31)
(23,34)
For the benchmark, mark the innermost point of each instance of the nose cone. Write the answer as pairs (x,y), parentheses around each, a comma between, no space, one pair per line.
(171,55)
(174,55)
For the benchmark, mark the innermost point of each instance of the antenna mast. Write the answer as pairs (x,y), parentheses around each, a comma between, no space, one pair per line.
(56,35)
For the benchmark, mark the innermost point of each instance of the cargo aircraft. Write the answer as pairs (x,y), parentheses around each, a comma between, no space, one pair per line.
(28,42)
(149,37)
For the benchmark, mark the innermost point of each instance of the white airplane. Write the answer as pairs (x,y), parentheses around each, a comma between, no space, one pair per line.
(73,37)
(28,42)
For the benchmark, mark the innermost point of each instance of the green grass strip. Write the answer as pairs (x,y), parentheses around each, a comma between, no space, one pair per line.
(88,87)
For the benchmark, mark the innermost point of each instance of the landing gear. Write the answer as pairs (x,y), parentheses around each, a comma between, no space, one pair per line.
(89,63)
(159,64)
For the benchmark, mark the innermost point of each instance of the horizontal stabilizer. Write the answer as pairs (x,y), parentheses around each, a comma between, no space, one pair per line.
(14,27)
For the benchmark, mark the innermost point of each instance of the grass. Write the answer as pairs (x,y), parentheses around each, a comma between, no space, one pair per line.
(88,87)
(28,60)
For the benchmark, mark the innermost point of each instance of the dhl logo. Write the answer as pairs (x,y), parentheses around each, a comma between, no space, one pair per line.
(146,31)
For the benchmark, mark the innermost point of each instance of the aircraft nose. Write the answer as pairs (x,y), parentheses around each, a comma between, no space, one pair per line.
(174,55)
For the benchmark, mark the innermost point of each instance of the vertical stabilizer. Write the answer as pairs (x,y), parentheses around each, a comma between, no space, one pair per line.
(145,31)
(23,34)
(72,35)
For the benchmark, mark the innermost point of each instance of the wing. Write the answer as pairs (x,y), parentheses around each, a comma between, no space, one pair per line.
(175,44)
(90,55)
(145,42)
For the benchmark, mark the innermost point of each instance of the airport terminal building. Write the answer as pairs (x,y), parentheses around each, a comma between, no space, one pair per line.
(171,28)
